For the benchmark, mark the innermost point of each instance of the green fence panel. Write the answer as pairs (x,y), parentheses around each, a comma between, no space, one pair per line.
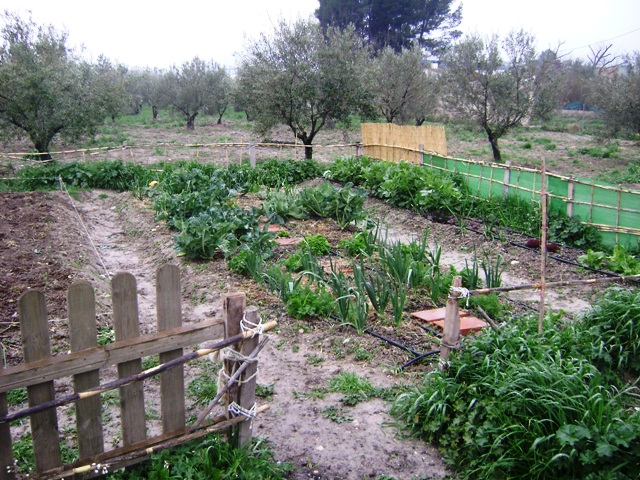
(592,202)
(558,187)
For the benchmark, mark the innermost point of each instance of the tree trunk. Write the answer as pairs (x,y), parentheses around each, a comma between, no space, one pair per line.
(42,147)
(154,109)
(191,121)
(493,140)
(308,152)
(219,122)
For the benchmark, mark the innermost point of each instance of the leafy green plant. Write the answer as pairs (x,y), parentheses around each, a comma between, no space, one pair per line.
(280,206)
(571,231)
(343,205)
(336,414)
(620,261)
(305,302)
(354,388)
(593,259)
(317,244)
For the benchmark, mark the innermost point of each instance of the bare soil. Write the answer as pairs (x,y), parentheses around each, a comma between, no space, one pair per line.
(50,240)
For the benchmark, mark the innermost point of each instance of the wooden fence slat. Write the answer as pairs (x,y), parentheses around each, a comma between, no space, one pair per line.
(84,334)
(247,381)
(169,313)
(125,319)
(112,354)
(36,346)
(6,452)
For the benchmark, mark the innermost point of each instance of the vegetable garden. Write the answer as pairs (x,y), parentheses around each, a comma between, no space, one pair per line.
(512,402)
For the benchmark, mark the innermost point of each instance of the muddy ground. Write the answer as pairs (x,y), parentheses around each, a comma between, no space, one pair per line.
(50,240)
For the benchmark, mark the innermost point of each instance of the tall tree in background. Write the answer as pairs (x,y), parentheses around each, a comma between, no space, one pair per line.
(302,78)
(618,95)
(496,83)
(219,92)
(46,91)
(400,82)
(197,86)
(396,24)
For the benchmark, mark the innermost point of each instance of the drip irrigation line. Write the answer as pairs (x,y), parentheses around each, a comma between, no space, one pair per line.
(418,358)
(431,331)
(392,342)
(522,304)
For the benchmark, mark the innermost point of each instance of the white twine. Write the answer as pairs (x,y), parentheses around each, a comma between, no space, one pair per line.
(235,410)
(463,293)
(256,328)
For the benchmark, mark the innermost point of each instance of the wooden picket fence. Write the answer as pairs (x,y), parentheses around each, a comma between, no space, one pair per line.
(86,359)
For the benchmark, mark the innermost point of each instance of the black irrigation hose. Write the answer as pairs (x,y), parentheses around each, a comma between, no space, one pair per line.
(431,331)
(418,358)
(392,342)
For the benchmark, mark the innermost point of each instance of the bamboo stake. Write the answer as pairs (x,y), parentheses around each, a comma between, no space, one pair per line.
(543,240)
(231,381)
(134,378)
(534,286)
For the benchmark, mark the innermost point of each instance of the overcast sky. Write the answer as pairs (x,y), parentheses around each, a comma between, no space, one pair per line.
(160,34)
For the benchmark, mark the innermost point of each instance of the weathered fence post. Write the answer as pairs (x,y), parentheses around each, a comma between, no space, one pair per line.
(252,154)
(125,320)
(169,313)
(7,470)
(247,381)
(36,346)
(234,307)
(451,333)
(84,334)
(571,188)
(507,178)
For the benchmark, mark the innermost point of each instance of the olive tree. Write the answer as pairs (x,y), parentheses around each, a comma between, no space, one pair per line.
(219,92)
(303,79)
(495,82)
(197,86)
(46,90)
(398,81)
(618,96)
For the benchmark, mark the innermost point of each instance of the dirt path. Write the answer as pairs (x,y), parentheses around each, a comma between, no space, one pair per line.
(127,239)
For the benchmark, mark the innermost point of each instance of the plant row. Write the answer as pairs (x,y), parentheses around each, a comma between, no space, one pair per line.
(367,277)
(445,197)
(519,404)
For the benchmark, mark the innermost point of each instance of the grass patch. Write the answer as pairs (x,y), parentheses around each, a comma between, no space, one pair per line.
(518,404)
(210,458)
